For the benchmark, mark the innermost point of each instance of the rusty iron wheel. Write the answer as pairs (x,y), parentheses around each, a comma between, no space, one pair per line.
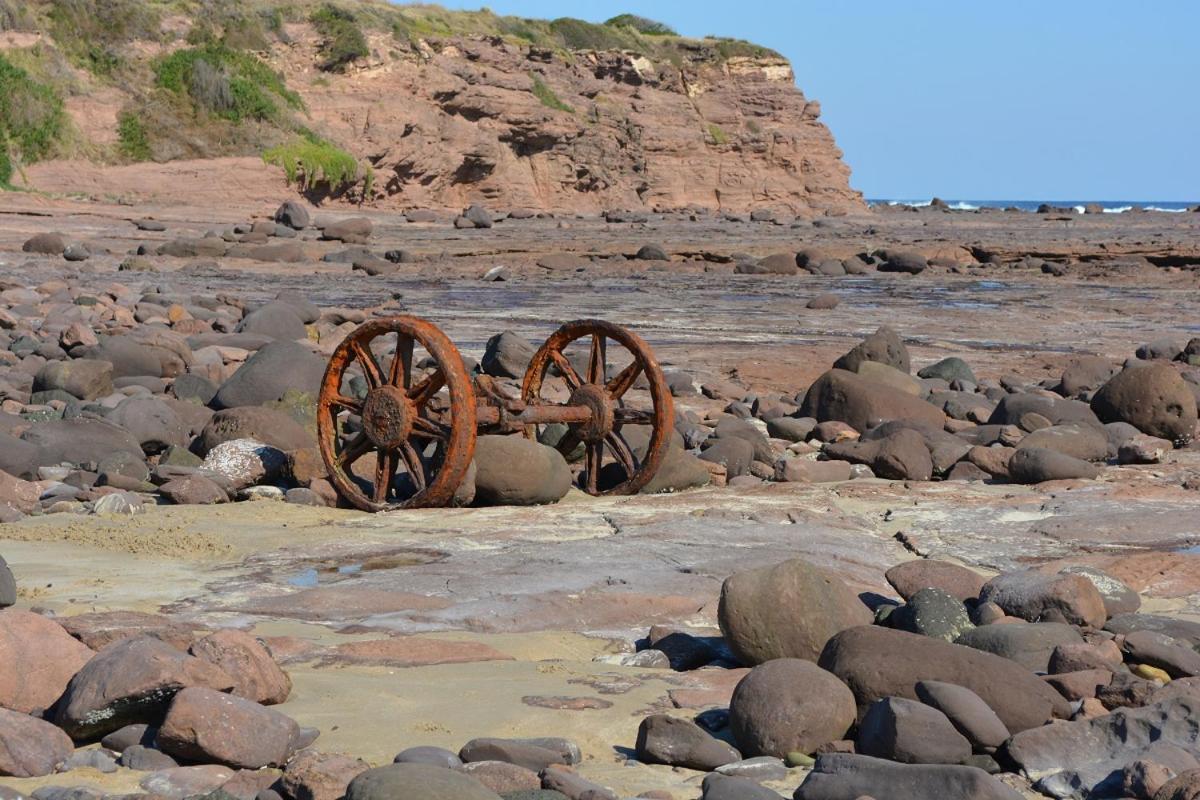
(403,414)
(605,397)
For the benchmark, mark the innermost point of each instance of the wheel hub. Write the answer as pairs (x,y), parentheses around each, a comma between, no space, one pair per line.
(594,397)
(387,417)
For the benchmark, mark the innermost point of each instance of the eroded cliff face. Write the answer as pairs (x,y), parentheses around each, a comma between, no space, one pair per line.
(470,120)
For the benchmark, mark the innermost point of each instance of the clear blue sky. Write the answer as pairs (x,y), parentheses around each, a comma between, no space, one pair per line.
(1000,99)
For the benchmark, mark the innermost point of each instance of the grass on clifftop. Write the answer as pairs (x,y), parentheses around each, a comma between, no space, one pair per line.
(343,39)
(32,120)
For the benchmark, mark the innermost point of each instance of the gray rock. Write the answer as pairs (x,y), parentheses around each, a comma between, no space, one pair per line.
(426,754)
(1175,657)
(1118,598)
(726,787)
(1029,645)
(1086,758)
(507,355)
(911,733)
(292,214)
(883,346)
(972,717)
(84,378)
(277,320)
(416,782)
(1037,464)
(8,585)
(512,470)
(933,612)
(146,759)
(949,369)
(270,373)
(680,742)
(789,705)
(1037,597)
(1176,628)
(842,776)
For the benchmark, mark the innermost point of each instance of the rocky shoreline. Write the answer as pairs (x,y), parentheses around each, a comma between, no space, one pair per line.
(959,568)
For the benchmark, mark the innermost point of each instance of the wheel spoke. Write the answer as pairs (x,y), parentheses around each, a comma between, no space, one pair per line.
(385,471)
(632,416)
(370,366)
(568,372)
(355,449)
(595,454)
(427,387)
(596,359)
(412,460)
(430,429)
(621,452)
(402,362)
(621,384)
(350,403)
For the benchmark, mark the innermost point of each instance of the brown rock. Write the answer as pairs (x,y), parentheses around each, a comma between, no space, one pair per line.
(130,681)
(680,742)
(39,659)
(1153,398)
(255,674)
(1081,684)
(1037,597)
(863,404)
(878,662)
(98,629)
(787,705)
(321,776)
(30,747)
(910,577)
(786,611)
(210,726)
(502,777)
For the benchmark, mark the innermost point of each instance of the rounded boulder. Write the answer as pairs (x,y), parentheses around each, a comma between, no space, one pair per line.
(789,705)
(1152,398)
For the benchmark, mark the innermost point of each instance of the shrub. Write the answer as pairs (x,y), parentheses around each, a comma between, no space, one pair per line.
(641,25)
(132,141)
(549,99)
(575,34)
(229,83)
(32,119)
(312,163)
(344,41)
(717,133)
(93,32)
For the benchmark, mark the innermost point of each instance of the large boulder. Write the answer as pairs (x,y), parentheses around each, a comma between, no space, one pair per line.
(312,775)
(416,782)
(39,659)
(789,610)
(1038,597)
(878,662)
(277,368)
(152,422)
(30,747)
(131,681)
(80,441)
(843,776)
(128,356)
(910,732)
(85,378)
(789,705)
(208,726)
(292,214)
(884,346)
(513,470)
(902,455)
(1085,374)
(270,426)
(1086,758)
(1153,398)
(1085,442)
(862,404)
(933,612)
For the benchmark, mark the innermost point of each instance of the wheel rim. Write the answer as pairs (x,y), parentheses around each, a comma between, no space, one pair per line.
(602,433)
(402,416)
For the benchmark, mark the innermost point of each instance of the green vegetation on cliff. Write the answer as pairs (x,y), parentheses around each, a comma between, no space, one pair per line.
(32,120)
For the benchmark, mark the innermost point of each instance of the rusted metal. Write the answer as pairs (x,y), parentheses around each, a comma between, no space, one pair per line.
(604,397)
(400,419)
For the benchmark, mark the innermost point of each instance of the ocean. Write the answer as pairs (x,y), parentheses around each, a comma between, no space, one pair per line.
(1109,206)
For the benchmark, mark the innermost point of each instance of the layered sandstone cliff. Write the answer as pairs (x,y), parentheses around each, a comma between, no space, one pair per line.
(462,123)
